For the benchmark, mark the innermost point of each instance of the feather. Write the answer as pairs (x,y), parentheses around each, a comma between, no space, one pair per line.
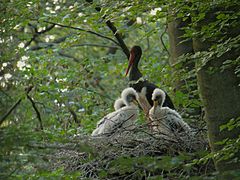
(166,120)
(122,118)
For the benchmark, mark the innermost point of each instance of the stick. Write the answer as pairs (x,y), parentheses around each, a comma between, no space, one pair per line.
(14,106)
(36,110)
(9,111)
(118,37)
(111,26)
(84,30)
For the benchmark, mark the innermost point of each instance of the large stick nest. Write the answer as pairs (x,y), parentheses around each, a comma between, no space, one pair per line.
(132,154)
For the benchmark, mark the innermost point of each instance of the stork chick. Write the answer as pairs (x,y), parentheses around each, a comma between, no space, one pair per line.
(165,120)
(118,104)
(122,118)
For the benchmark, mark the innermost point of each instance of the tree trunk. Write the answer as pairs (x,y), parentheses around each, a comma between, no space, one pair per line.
(179,46)
(221,98)
(175,33)
(220,94)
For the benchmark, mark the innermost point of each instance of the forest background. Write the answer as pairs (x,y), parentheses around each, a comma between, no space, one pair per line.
(63,64)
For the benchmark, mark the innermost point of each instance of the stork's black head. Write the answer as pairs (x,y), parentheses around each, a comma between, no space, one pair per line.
(136,49)
(135,55)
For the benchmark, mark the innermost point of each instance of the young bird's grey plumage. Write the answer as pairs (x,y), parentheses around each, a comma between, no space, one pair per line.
(122,118)
(165,120)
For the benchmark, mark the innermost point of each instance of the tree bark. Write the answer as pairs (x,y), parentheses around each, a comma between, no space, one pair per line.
(179,46)
(221,98)
(175,33)
(220,94)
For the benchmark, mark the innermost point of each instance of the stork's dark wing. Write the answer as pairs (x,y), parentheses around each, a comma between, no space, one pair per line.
(150,88)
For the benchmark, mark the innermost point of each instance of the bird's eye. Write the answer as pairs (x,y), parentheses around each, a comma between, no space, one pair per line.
(158,97)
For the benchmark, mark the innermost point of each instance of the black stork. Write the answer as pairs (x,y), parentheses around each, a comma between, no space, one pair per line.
(141,85)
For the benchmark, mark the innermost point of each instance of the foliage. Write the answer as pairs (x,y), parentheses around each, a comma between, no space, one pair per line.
(77,70)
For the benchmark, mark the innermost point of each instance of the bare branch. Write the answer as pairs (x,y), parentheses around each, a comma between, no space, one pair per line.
(51,44)
(84,30)
(9,111)
(47,29)
(74,115)
(161,38)
(37,33)
(95,45)
(111,26)
(36,110)
(14,106)
(118,37)
(30,41)
(61,53)
(44,45)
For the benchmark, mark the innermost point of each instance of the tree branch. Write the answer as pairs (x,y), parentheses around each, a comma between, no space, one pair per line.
(95,45)
(121,43)
(111,26)
(61,53)
(47,29)
(48,45)
(43,45)
(14,106)
(37,33)
(161,38)
(36,110)
(74,115)
(9,111)
(84,30)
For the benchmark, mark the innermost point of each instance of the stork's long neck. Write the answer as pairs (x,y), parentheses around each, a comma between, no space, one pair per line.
(134,73)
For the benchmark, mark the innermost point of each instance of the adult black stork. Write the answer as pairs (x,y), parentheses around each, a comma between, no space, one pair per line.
(143,87)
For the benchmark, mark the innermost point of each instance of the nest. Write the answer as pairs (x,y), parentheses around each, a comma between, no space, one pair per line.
(120,155)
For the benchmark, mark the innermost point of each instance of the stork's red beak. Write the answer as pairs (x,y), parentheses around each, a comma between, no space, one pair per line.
(131,60)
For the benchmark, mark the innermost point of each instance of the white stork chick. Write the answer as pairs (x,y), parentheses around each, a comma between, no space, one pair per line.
(165,120)
(118,104)
(122,118)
